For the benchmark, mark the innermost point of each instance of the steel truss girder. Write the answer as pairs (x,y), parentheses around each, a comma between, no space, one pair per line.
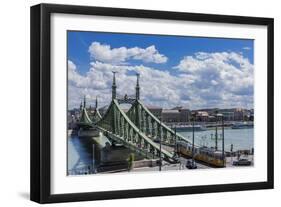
(133,136)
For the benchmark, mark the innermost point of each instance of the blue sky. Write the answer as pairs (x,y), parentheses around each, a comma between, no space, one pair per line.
(225,61)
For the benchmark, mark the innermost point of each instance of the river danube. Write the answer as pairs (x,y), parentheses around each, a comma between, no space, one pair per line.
(84,152)
(241,139)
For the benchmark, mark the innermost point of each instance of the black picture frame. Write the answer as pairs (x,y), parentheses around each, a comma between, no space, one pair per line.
(41,98)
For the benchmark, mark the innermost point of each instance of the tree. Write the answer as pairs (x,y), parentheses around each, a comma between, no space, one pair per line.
(131,160)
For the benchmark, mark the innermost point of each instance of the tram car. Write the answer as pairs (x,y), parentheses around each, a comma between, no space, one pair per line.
(202,154)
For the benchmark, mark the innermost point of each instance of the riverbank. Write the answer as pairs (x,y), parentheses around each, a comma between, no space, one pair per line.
(89,155)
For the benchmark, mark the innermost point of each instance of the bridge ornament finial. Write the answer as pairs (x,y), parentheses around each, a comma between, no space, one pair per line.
(114,86)
(84,101)
(138,87)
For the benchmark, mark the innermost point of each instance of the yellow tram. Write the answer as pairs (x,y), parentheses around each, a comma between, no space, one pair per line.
(202,154)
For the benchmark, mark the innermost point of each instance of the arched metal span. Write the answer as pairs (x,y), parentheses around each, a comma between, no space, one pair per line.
(116,125)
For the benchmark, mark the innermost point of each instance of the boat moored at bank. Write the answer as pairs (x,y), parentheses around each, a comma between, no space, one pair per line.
(197,127)
(243,125)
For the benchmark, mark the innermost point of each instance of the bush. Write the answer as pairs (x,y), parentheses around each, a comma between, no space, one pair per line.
(131,160)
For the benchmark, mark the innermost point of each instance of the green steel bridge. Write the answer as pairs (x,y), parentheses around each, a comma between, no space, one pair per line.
(137,129)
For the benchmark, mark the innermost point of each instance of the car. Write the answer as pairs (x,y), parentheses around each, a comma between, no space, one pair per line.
(242,162)
(190,164)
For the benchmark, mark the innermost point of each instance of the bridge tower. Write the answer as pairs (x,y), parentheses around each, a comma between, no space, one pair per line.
(114,86)
(81,106)
(84,121)
(96,116)
(113,115)
(138,87)
(137,117)
(96,102)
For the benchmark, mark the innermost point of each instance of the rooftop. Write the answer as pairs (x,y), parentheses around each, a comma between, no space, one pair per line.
(170,111)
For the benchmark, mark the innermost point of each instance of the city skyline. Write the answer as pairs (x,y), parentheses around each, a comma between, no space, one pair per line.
(92,103)
(174,71)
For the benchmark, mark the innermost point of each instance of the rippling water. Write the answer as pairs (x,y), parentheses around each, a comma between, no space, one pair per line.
(83,153)
(242,139)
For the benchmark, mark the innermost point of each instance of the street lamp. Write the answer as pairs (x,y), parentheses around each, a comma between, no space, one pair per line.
(160,142)
(216,135)
(231,152)
(193,119)
(222,123)
(176,146)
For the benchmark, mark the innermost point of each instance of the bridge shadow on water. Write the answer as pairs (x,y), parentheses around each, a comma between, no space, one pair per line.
(81,149)
(87,156)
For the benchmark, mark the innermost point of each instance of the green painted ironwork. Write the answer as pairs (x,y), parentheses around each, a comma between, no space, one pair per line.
(85,121)
(118,126)
(138,129)
(157,126)
(96,116)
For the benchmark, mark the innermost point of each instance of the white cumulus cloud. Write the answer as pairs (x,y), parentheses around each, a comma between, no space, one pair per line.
(106,54)
(222,80)
(226,72)
(246,48)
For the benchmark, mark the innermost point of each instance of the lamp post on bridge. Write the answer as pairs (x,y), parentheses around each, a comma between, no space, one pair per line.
(216,135)
(222,123)
(176,146)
